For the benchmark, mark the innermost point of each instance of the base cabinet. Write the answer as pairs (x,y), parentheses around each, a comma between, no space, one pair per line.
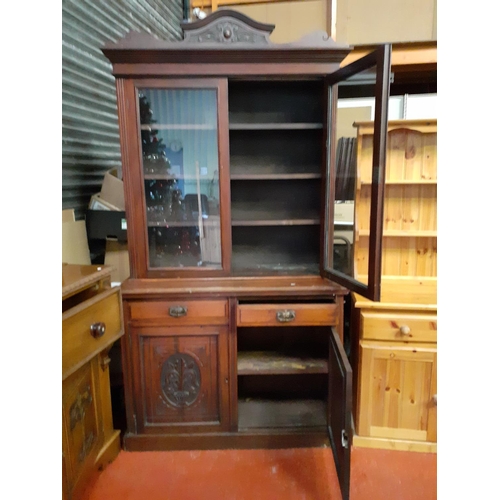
(233,372)
(396,405)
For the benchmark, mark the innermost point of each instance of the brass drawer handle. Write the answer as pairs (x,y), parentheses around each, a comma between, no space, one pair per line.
(97,330)
(178,311)
(285,316)
(404,330)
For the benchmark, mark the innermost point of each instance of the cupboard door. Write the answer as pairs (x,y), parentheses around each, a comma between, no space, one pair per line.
(176,166)
(340,232)
(398,391)
(340,411)
(181,379)
(82,423)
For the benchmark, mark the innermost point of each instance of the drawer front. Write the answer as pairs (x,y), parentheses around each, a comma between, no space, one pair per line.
(89,328)
(393,326)
(287,314)
(181,313)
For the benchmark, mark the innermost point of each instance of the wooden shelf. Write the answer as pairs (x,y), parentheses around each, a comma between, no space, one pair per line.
(274,176)
(172,223)
(265,413)
(415,233)
(167,177)
(249,167)
(276,363)
(179,126)
(275,126)
(258,214)
(252,259)
(402,182)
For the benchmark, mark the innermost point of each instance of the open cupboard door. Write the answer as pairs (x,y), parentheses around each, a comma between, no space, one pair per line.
(369,75)
(339,411)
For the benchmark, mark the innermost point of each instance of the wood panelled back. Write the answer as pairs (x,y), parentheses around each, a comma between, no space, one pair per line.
(411,153)
(409,245)
(401,256)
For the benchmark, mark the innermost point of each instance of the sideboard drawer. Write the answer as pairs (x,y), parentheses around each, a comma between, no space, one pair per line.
(89,327)
(287,314)
(181,312)
(398,326)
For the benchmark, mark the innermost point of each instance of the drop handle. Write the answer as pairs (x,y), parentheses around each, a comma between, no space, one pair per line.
(177,311)
(285,316)
(404,330)
(97,330)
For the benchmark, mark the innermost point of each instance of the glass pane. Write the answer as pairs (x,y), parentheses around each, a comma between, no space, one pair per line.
(181,177)
(353,111)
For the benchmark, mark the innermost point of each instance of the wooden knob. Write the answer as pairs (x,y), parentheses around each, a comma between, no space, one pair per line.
(97,330)
(105,362)
(404,330)
(434,400)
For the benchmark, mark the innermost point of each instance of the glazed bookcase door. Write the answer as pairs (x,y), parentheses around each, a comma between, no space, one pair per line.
(341,233)
(177,168)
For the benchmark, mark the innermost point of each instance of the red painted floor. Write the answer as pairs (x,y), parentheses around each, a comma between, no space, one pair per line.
(293,474)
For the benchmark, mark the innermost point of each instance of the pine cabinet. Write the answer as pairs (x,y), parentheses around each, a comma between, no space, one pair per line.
(91,323)
(234,310)
(396,338)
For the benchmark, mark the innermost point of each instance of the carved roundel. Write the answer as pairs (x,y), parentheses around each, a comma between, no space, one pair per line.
(180,380)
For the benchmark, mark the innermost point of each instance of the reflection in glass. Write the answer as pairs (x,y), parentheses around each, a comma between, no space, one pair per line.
(352,198)
(181,176)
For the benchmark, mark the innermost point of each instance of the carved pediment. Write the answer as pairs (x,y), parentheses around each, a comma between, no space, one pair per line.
(227,27)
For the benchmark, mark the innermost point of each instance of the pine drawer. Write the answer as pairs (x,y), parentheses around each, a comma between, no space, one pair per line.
(287,314)
(399,326)
(180,312)
(89,327)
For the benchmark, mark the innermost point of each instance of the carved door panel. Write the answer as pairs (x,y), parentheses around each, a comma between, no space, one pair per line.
(81,421)
(182,379)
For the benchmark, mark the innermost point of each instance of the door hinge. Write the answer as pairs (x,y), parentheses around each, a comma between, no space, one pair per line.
(345,439)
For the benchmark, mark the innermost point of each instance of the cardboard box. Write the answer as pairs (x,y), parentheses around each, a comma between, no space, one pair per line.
(75,247)
(97,203)
(343,212)
(117,257)
(112,191)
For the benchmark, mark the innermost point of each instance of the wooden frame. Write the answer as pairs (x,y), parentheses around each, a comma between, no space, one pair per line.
(134,180)
(217,51)
(381,59)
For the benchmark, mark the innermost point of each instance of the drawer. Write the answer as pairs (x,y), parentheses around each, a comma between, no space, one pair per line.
(90,327)
(181,312)
(287,314)
(393,326)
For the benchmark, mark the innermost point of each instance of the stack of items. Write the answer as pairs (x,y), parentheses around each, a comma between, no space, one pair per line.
(106,222)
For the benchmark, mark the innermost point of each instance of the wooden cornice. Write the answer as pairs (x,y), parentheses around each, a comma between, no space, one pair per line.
(405,55)
(225,36)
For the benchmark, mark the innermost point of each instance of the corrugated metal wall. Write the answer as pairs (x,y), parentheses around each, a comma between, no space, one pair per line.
(90,138)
